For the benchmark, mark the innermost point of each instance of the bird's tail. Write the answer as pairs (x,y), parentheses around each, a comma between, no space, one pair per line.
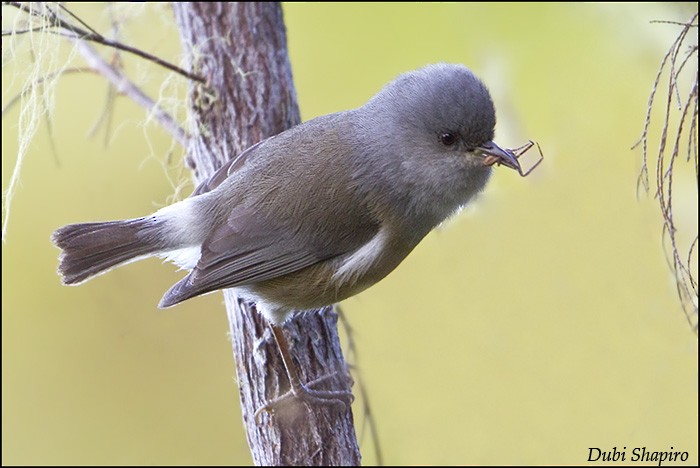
(93,248)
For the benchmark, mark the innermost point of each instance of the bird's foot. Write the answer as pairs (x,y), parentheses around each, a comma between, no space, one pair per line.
(305,394)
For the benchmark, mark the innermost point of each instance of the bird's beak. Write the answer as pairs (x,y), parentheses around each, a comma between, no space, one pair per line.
(494,154)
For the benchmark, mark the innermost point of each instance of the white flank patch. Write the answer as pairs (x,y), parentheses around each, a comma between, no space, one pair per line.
(362,259)
(186,258)
(180,222)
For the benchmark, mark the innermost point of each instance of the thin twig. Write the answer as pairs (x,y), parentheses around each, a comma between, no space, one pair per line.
(107,113)
(686,281)
(126,87)
(677,23)
(75,17)
(92,36)
(23,31)
(364,395)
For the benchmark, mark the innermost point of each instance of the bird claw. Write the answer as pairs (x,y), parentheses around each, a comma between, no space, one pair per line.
(307,395)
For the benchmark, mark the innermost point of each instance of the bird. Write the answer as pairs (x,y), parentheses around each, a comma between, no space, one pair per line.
(320,212)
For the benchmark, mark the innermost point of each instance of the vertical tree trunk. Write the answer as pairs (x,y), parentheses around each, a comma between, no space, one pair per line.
(241,49)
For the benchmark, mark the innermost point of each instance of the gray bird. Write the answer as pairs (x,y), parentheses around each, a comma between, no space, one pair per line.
(320,212)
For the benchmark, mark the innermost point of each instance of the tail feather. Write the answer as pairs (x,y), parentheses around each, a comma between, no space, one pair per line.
(93,248)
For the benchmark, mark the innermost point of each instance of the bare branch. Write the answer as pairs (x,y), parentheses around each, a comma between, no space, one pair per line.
(91,35)
(75,17)
(242,49)
(105,117)
(126,87)
(675,62)
(368,419)
(678,23)
(23,31)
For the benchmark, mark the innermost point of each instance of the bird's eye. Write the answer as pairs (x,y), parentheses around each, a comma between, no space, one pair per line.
(448,138)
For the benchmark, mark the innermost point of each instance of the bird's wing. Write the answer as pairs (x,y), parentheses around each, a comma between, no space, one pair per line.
(225,170)
(288,216)
(248,248)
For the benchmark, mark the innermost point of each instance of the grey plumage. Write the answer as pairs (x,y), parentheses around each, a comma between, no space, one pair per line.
(321,211)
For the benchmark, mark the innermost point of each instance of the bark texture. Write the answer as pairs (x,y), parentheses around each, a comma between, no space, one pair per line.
(241,50)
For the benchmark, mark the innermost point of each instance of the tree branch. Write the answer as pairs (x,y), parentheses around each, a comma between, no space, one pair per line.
(91,35)
(241,49)
(675,62)
(124,86)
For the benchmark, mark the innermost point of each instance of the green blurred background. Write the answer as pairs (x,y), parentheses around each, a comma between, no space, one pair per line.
(538,323)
